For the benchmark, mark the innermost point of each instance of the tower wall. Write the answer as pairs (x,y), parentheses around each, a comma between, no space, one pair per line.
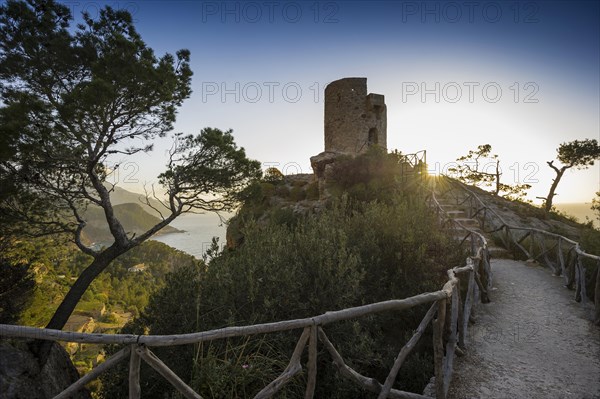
(354,120)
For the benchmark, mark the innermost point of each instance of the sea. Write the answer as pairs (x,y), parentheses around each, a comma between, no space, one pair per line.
(198,231)
(580,210)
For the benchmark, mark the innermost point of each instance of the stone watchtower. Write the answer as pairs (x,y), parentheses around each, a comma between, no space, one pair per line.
(354,120)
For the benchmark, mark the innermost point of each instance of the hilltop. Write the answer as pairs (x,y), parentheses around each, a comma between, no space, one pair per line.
(119,195)
(132,215)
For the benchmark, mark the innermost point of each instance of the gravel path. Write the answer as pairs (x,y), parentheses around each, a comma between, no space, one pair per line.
(532,341)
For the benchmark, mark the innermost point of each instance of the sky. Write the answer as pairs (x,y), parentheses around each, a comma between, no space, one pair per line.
(521,76)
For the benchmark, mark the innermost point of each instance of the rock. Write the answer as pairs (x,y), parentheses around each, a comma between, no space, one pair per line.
(21,377)
(320,161)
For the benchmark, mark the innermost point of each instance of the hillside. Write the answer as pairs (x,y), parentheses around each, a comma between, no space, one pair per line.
(120,196)
(519,213)
(132,215)
(121,292)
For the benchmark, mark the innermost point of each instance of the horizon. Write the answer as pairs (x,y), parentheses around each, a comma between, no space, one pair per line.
(521,76)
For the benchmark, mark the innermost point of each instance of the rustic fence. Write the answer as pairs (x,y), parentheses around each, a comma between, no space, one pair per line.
(137,347)
(413,165)
(449,334)
(563,256)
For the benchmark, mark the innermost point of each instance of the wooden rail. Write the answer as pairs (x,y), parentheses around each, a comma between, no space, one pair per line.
(413,164)
(478,246)
(446,346)
(563,256)
(137,347)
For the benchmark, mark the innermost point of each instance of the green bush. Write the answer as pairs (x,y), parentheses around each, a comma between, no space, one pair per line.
(110,317)
(312,191)
(348,255)
(284,216)
(268,189)
(282,191)
(273,175)
(299,183)
(297,194)
(373,175)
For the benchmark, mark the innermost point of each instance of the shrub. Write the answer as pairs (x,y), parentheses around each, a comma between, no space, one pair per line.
(267,189)
(284,216)
(347,255)
(312,191)
(297,194)
(111,318)
(373,175)
(282,191)
(273,175)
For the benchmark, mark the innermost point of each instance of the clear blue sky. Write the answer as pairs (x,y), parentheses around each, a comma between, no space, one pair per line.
(521,76)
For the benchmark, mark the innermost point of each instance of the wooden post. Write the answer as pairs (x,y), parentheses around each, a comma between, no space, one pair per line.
(312,364)
(571,261)
(134,374)
(577,278)
(488,269)
(404,352)
(549,264)
(166,372)
(476,299)
(367,383)
(438,348)
(518,244)
(597,294)
(451,345)
(561,258)
(95,373)
(468,306)
(292,368)
(503,236)
(532,246)
(583,288)
(460,323)
(484,295)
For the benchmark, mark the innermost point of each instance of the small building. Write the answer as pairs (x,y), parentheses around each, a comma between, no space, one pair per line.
(140,267)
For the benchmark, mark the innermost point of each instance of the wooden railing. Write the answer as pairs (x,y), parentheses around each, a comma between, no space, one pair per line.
(446,346)
(479,249)
(449,333)
(563,256)
(413,164)
(137,347)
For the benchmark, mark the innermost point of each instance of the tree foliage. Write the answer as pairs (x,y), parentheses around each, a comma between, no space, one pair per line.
(273,175)
(72,98)
(16,285)
(578,154)
(482,168)
(596,206)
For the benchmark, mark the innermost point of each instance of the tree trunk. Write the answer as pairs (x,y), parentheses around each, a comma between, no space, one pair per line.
(68,304)
(551,193)
(498,177)
(66,307)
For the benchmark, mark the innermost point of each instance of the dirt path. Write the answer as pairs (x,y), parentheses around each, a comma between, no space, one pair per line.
(533,341)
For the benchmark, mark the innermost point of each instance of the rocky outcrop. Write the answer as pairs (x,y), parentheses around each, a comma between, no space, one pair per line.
(22,378)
